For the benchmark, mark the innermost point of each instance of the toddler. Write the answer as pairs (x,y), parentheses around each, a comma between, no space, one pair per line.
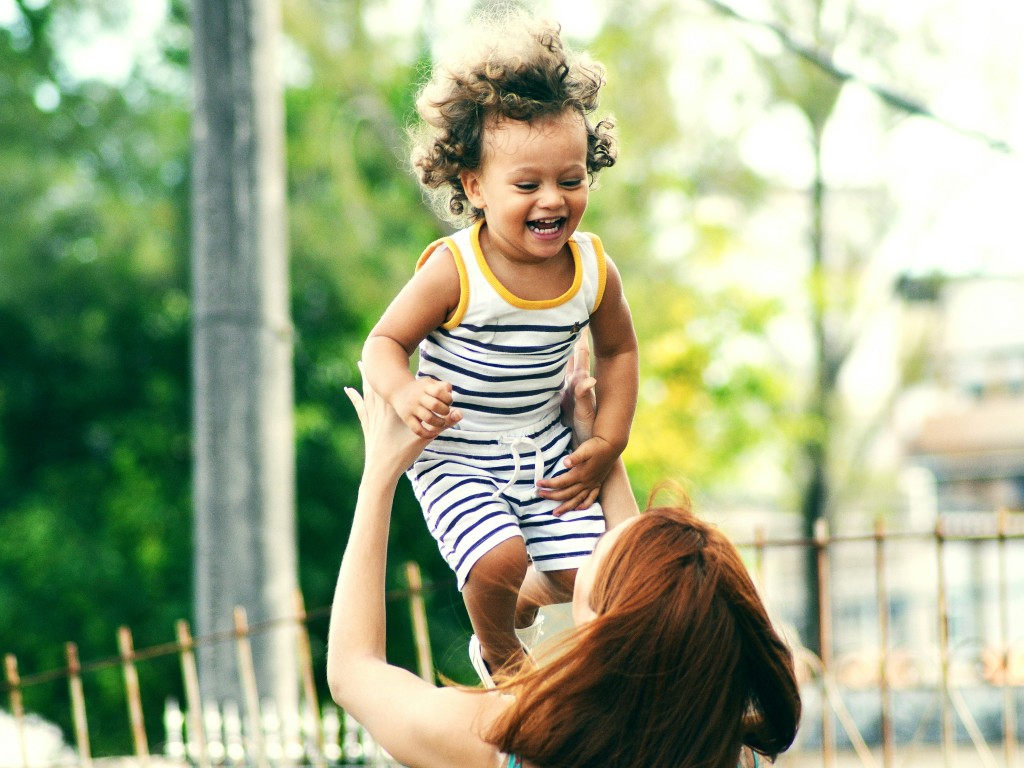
(495,310)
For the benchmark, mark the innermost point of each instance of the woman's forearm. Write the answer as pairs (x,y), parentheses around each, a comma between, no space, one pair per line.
(357,626)
(616,497)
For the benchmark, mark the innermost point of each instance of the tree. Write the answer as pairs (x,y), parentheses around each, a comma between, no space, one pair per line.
(843,227)
(707,405)
(244,483)
(94,409)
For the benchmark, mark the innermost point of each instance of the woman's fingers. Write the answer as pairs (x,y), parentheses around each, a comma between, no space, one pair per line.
(584,386)
(426,421)
(581,355)
(358,404)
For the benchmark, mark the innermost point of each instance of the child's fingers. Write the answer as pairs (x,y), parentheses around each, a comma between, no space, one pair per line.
(581,455)
(419,427)
(428,424)
(432,420)
(438,406)
(581,500)
(440,391)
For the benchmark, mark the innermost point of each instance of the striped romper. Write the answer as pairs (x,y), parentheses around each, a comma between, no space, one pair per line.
(505,358)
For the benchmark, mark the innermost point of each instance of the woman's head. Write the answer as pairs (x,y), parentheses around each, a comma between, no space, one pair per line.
(506,67)
(679,664)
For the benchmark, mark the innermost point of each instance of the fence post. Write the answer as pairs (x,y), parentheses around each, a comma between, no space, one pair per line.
(882,598)
(309,681)
(17,703)
(78,705)
(1009,700)
(759,551)
(418,611)
(247,673)
(133,695)
(948,732)
(821,542)
(196,747)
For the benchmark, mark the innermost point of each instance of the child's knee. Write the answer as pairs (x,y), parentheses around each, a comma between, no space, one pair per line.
(565,579)
(503,567)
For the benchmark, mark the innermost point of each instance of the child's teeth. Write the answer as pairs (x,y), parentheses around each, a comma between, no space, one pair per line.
(546,224)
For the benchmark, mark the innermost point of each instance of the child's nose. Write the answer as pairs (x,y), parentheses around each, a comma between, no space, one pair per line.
(552,196)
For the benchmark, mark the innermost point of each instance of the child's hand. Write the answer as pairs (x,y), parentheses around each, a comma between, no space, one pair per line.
(425,405)
(588,466)
(390,447)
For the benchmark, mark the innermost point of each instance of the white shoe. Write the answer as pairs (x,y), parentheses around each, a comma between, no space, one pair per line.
(476,658)
(531,635)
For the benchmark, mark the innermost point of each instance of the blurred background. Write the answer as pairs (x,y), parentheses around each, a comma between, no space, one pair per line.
(816,214)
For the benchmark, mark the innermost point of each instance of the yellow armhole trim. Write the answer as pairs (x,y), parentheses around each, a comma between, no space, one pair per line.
(460,310)
(510,297)
(602,271)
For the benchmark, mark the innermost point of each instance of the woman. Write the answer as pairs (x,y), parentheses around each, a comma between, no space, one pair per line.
(674,662)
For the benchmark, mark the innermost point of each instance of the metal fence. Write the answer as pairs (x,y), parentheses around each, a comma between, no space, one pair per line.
(921,662)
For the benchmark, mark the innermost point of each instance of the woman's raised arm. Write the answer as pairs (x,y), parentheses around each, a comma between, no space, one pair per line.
(419,724)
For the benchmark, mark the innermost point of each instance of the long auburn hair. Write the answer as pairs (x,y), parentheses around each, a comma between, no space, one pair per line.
(680,668)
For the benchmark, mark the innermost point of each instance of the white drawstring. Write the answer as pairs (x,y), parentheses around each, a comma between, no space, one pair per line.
(513,442)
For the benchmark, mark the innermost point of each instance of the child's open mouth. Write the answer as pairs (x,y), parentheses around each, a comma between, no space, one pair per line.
(546,226)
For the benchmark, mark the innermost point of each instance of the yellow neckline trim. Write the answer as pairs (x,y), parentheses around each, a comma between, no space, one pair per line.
(510,297)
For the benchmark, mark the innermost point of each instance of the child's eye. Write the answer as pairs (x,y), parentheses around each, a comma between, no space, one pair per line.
(526,186)
(572,183)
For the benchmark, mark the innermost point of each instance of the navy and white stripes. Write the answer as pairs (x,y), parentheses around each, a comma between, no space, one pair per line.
(463,483)
(505,358)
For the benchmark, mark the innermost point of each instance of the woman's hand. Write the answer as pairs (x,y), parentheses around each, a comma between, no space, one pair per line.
(578,488)
(579,404)
(390,445)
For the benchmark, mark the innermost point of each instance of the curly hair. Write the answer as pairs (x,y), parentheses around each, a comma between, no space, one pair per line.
(507,67)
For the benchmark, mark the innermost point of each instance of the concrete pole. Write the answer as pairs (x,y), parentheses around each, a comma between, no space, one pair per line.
(244,456)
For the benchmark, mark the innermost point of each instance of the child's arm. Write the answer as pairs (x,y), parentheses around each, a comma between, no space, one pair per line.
(617,372)
(426,301)
(579,412)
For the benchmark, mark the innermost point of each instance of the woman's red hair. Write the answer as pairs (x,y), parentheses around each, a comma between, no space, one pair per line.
(681,667)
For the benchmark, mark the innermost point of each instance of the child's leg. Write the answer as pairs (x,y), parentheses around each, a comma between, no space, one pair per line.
(542,588)
(491,592)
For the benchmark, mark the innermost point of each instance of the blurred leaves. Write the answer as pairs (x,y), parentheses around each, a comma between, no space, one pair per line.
(95,443)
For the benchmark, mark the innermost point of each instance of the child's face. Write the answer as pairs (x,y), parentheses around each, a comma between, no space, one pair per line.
(532,185)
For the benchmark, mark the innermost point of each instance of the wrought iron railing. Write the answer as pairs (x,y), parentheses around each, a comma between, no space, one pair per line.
(927,671)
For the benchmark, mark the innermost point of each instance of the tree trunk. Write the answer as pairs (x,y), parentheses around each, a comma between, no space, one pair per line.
(815,449)
(244,455)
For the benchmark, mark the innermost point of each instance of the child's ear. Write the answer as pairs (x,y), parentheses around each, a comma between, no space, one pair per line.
(471,186)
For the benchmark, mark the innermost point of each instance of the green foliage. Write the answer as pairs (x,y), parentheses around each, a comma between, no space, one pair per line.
(95,435)
(94,403)
(357,226)
(709,394)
